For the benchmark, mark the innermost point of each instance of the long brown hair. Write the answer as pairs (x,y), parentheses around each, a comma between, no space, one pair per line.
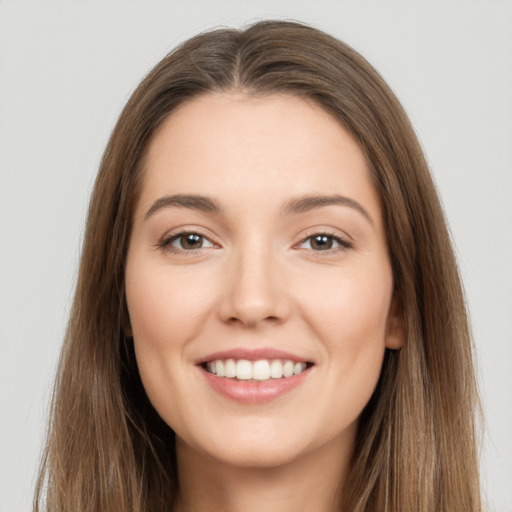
(108,450)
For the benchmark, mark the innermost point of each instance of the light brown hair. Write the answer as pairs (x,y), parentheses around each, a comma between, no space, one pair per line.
(107,448)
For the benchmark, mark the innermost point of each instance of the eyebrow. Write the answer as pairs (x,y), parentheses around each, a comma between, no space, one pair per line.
(311,202)
(292,207)
(193,202)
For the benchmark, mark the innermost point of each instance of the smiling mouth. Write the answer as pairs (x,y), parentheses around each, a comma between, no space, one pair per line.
(255,371)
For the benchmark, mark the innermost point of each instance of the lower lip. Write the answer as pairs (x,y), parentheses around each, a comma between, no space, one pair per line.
(254,392)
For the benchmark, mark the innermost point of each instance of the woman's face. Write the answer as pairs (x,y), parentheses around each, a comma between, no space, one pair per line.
(258,249)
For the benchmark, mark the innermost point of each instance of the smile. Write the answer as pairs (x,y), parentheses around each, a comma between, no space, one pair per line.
(255,371)
(254,375)
(256,381)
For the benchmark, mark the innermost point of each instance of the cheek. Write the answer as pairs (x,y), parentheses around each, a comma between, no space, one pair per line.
(165,308)
(351,320)
(163,316)
(351,306)
(166,312)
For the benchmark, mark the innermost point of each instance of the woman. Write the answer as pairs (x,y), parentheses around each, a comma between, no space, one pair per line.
(268,311)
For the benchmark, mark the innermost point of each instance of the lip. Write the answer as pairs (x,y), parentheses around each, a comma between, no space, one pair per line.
(246,392)
(253,354)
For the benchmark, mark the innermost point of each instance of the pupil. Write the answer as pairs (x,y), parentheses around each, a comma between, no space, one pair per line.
(322,242)
(191,241)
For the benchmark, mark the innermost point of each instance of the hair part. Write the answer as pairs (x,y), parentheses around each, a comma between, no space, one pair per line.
(108,449)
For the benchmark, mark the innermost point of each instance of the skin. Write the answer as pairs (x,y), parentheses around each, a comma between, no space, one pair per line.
(257,281)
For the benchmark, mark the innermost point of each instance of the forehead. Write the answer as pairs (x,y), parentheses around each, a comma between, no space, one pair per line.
(255,150)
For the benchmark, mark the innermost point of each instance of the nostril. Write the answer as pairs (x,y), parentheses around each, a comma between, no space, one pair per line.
(250,322)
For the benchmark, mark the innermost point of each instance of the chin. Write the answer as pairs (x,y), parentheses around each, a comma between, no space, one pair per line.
(253,443)
(261,455)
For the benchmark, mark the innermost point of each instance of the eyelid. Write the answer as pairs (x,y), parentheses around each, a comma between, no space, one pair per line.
(178,237)
(164,243)
(344,241)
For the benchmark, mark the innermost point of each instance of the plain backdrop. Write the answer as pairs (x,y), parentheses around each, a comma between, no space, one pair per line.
(67,68)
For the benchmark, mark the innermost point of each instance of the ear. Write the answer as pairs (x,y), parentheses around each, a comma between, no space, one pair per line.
(395,333)
(127,331)
(126,325)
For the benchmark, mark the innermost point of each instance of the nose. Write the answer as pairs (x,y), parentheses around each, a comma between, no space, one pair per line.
(254,291)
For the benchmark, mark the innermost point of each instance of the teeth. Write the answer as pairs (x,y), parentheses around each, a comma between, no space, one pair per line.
(261,370)
(288,369)
(243,369)
(230,369)
(276,369)
(219,368)
(297,368)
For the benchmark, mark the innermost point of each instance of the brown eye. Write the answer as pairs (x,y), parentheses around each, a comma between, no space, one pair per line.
(324,242)
(321,242)
(188,242)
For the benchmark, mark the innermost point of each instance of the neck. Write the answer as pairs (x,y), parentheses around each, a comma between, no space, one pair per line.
(312,483)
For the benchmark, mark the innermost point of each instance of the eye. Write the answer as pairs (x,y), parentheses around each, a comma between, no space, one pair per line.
(186,241)
(324,242)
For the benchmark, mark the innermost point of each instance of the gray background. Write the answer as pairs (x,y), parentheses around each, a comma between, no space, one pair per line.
(67,68)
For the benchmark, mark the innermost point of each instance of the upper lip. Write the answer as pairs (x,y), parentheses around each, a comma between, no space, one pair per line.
(252,354)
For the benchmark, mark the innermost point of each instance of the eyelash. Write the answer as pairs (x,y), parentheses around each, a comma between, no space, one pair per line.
(165,243)
(343,243)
